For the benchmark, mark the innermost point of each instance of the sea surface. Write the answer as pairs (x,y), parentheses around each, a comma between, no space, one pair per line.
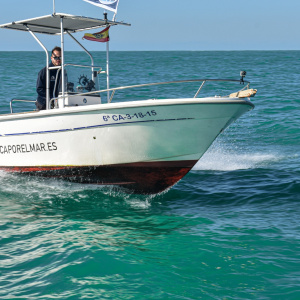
(230,229)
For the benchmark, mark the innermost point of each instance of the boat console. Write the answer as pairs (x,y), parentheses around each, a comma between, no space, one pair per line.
(78,83)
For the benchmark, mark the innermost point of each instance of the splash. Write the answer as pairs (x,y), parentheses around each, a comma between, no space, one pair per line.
(46,190)
(219,159)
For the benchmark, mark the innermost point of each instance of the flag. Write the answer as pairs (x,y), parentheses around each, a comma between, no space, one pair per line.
(102,36)
(111,5)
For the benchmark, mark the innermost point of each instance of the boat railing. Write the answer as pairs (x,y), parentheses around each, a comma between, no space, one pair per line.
(203,81)
(84,66)
(19,100)
(114,89)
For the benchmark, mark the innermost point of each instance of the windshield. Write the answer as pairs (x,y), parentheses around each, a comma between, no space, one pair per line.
(81,80)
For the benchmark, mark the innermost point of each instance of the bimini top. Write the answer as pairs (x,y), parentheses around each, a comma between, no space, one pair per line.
(51,24)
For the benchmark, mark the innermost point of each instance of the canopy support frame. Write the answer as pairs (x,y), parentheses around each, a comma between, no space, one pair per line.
(47,67)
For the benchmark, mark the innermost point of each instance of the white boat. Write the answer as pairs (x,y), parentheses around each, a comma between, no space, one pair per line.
(143,146)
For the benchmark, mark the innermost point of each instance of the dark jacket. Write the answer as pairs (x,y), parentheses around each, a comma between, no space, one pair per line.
(41,86)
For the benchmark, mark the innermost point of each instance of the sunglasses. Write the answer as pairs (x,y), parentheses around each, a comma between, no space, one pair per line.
(57,57)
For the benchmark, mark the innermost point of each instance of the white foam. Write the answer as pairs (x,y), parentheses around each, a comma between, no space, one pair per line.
(219,159)
(139,203)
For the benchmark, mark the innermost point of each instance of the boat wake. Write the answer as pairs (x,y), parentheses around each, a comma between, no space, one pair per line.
(59,192)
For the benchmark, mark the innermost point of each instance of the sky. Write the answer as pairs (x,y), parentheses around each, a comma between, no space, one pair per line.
(158,25)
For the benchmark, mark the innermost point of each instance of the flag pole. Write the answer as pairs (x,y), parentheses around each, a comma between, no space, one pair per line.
(54,7)
(107,61)
(107,68)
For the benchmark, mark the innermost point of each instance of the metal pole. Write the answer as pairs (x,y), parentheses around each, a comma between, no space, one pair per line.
(89,54)
(62,59)
(47,66)
(54,7)
(107,68)
(200,88)
(107,62)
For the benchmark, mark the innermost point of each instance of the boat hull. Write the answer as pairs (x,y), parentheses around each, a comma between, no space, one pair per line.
(142,178)
(145,146)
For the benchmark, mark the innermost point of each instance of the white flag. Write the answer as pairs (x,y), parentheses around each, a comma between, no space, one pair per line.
(106,4)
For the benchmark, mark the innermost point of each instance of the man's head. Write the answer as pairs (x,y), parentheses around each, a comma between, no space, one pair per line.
(56,56)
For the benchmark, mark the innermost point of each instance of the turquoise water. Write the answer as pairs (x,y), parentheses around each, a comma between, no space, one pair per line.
(228,230)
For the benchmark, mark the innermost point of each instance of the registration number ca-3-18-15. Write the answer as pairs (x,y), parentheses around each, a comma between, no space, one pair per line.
(124,117)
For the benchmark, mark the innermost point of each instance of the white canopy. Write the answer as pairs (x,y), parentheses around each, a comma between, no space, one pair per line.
(50,24)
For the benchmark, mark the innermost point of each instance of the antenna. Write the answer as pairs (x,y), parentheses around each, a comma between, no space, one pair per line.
(54,7)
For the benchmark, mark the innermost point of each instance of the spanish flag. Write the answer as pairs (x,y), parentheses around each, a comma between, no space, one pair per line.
(102,36)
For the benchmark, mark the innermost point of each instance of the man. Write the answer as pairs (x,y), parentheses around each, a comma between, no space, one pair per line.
(41,84)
